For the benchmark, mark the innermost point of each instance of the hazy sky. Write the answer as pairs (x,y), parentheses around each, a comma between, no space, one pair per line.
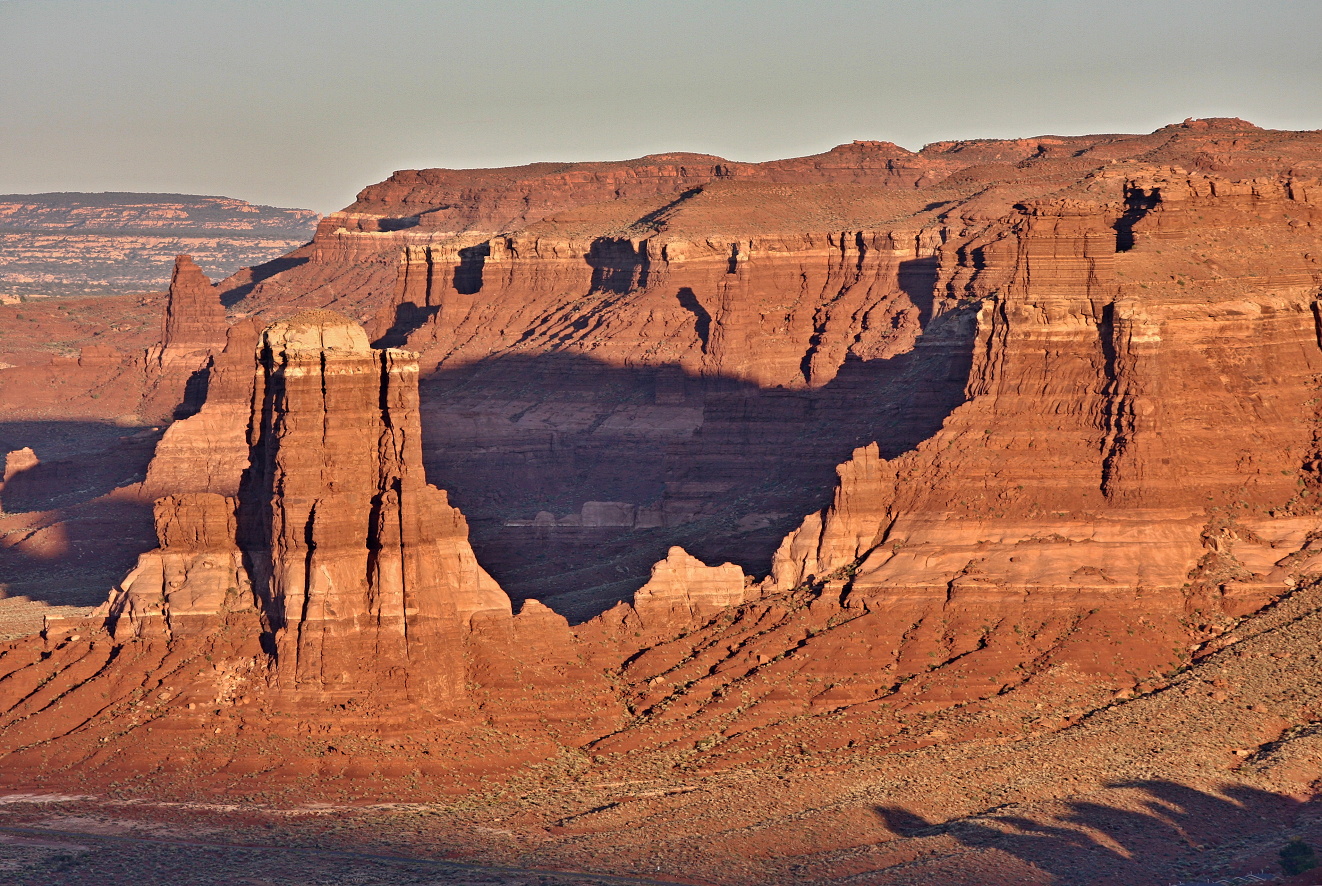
(304,102)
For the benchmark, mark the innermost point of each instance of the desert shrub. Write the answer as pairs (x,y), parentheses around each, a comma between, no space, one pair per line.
(1297,857)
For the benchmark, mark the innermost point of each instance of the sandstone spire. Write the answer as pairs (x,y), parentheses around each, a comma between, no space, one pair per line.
(361,571)
(194,316)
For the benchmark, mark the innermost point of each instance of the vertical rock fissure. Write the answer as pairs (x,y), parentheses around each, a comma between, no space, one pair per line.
(407,588)
(310,547)
(1113,438)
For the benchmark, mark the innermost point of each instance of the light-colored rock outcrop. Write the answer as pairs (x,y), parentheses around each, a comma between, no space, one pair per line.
(208,451)
(192,580)
(683,590)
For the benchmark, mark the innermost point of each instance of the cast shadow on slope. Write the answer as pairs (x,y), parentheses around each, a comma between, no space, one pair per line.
(577,476)
(67,542)
(256,274)
(1163,832)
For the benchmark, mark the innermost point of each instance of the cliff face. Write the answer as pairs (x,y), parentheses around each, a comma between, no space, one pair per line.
(693,344)
(1112,378)
(363,570)
(351,262)
(1133,462)
(311,560)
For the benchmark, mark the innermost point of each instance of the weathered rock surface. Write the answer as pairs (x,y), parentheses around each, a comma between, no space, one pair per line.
(363,569)
(191,581)
(683,590)
(1134,460)
(208,451)
(703,341)
(329,571)
(194,318)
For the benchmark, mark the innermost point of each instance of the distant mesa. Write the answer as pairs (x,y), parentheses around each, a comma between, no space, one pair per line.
(74,243)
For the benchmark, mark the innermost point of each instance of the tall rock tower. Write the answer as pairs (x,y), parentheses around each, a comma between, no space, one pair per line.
(194,317)
(360,571)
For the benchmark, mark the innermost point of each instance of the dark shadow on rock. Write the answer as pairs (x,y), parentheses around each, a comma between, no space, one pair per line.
(195,392)
(1138,203)
(917,279)
(905,823)
(468,273)
(72,541)
(78,461)
(96,545)
(1150,831)
(257,274)
(616,266)
(658,216)
(409,318)
(621,463)
(688,300)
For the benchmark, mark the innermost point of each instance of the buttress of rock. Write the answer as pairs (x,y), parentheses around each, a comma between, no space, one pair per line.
(363,570)
(208,452)
(195,576)
(299,490)
(684,590)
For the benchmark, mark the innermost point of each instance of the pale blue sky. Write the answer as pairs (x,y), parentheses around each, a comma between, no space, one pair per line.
(304,102)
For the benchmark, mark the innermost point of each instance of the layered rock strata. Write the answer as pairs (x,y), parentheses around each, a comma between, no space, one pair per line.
(208,451)
(191,581)
(311,517)
(1132,474)
(1087,392)
(683,590)
(700,318)
(363,569)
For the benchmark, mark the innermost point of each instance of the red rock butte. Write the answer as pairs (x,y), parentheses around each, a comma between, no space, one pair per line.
(785,522)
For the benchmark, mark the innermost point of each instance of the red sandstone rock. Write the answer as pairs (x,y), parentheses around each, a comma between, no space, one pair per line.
(208,452)
(671,278)
(683,590)
(191,581)
(363,570)
(194,317)
(329,541)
